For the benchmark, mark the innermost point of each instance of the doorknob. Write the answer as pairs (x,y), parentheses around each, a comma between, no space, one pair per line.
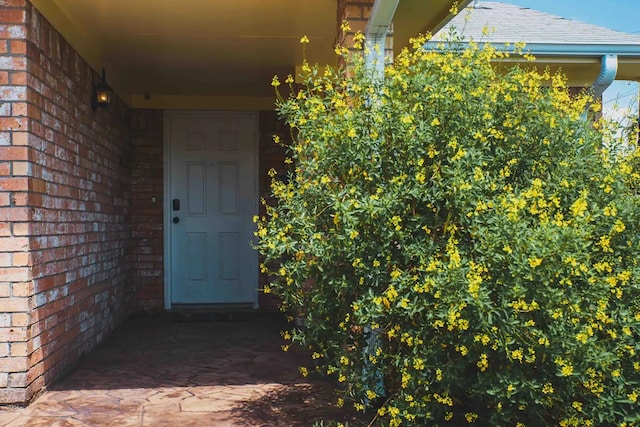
(176,220)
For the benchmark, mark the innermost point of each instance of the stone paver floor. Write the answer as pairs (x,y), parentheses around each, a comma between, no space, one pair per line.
(156,371)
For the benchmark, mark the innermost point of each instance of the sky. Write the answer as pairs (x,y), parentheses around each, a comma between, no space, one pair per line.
(621,15)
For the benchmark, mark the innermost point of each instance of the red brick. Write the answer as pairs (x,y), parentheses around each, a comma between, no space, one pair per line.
(13,335)
(21,259)
(13,364)
(4,77)
(13,31)
(5,168)
(14,153)
(14,244)
(20,319)
(20,138)
(14,395)
(21,228)
(18,47)
(13,123)
(18,349)
(14,184)
(13,3)
(19,109)
(11,305)
(18,274)
(12,16)
(20,168)
(18,78)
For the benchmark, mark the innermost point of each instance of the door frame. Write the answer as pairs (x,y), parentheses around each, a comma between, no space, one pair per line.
(166,209)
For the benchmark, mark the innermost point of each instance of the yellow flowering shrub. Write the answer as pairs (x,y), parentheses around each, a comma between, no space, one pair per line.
(460,244)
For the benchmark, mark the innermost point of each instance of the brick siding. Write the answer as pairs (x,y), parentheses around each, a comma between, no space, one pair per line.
(146,246)
(79,231)
(19,191)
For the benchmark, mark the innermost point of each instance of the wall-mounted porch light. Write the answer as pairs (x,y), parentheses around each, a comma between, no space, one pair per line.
(101,93)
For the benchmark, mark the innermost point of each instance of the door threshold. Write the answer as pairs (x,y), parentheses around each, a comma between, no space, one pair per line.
(212,312)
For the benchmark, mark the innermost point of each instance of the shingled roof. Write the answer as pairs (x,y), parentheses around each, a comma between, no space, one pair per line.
(573,46)
(508,23)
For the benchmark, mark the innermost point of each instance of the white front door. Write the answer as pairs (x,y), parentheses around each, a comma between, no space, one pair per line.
(212,197)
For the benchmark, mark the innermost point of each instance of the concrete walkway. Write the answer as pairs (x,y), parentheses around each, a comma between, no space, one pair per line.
(159,371)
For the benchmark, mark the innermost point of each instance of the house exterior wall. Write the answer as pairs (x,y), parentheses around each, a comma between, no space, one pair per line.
(64,198)
(146,245)
(79,230)
(16,183)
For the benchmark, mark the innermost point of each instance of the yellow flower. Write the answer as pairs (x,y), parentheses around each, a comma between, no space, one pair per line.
(483,363)
(435,122)
(517,354)
(303,371)
(304,40)
(567,370)
(275,82)
(534,262)
(471,417)
(418,364)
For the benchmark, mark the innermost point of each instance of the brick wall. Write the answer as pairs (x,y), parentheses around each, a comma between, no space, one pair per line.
(16,180)
(79,229)
(146,246)
(356,13)
(64,205)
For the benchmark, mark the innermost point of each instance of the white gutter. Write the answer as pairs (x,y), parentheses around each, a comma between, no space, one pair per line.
(561,49)
(376,32)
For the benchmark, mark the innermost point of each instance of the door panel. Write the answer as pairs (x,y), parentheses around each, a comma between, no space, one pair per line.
(213,174)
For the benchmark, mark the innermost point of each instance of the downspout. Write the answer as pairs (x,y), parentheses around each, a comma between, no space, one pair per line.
(376,32)
(375,42)
(608,71)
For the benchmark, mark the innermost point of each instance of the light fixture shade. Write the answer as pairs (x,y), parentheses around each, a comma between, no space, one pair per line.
(101,93)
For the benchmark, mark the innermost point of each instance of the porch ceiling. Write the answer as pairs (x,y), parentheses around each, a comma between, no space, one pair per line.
(211,53)
(194,48)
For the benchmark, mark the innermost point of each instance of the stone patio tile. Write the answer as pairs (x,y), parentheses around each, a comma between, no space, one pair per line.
(27,421)
(182,419)
(52,408)
(9,414)
(169,396)
(155,372)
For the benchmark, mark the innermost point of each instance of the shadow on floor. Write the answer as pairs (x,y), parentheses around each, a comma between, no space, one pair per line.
(181,371)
